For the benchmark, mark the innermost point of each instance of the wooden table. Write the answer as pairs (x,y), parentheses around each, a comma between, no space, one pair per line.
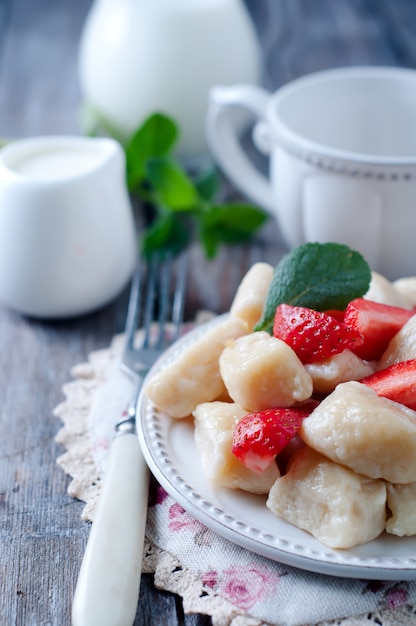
(42,537)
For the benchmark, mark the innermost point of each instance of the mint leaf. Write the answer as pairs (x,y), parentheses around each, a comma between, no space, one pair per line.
(167,231)
(173,186)
(155,138)
(184,202)
(241,218)
(210,242)
(318,276)
(207,184)
(229,224)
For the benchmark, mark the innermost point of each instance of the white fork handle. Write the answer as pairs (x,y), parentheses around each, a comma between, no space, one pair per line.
(108,585)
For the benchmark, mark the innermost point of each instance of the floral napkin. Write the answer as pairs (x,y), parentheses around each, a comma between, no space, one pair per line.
(214,576)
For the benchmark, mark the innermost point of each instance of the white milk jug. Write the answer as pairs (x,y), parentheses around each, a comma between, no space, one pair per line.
(141,56)
(67,239)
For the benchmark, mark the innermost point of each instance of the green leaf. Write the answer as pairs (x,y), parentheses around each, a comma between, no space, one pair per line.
(223,235)
(242,218)
(207,184)
(155,138)
(229,224)
(318,276)
(210,242)
(167,232)
(173,186)
(180,198)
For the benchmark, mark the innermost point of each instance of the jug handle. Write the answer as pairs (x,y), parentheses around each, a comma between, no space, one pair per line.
(222,137)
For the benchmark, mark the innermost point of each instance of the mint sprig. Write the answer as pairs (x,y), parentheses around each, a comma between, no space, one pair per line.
(320,276)
(154,139)
(185,204)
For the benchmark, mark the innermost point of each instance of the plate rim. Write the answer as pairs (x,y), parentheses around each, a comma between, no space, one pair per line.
(327,561)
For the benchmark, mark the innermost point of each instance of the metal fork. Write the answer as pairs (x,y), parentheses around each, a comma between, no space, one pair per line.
(109,579)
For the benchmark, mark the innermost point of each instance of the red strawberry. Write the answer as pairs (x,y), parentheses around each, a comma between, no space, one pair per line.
(396,382)
(259,437)
(311,334)
(284,457)
(377,323)
(339,315)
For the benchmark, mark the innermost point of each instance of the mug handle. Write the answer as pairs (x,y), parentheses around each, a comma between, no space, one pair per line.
(222,137)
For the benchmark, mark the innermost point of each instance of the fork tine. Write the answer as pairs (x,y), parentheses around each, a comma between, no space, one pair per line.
(134,306)
(179,297)
(152,306)
(164,293)
(151,290)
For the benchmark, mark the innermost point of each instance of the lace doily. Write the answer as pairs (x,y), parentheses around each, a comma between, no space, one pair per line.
(239,591)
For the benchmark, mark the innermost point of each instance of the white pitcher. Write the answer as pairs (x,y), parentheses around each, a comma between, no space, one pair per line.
(67,237)
(141,56)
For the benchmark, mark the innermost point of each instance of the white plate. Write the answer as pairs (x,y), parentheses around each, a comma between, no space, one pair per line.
(169,448)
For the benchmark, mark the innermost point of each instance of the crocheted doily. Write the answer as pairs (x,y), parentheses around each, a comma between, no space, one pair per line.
(84,461)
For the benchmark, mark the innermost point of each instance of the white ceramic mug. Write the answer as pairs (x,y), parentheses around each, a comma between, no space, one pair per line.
(342,159)
(67,235)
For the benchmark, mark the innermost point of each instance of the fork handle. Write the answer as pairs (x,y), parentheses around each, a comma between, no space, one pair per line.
(108,585)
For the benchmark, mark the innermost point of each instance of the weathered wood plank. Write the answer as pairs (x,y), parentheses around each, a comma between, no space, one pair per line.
(42,537)
(39,91)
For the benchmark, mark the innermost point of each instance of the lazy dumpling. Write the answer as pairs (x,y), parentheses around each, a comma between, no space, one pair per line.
(401,501)
(261,372)
(214,428)
(336,369)
(336,505)
(403,345)
(251,295)
(194,377)
(371,435)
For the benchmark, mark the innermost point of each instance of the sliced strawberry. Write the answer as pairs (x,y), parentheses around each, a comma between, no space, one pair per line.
(338,315)
(396,382)
(313,335)
(284,457)
(259,437)
(377,323)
